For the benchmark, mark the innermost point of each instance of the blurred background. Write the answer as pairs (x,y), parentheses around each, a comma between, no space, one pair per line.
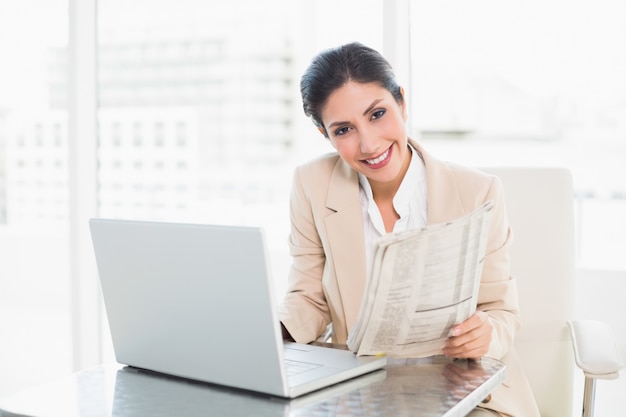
(189,111)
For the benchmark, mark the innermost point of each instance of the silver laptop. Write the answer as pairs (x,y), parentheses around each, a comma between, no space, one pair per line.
(196,301)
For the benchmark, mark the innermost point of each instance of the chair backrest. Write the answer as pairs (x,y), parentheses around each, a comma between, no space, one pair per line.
(540,206)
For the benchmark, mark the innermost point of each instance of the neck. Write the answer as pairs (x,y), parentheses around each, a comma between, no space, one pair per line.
(387,190)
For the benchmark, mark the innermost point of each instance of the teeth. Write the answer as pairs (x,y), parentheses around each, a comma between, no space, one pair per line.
(379,159)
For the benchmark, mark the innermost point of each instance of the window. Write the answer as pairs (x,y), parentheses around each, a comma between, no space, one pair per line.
(213,112)
(529,83)
(184,88)
(34,276)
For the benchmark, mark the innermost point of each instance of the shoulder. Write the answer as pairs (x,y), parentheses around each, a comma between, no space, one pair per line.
(322,171)
(454,183)
(327,180)
(475,186)
(313,177)
(464,178)
(320,164)
(467,177)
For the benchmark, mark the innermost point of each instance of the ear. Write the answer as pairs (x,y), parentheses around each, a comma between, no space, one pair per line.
(404,112)
(323,132)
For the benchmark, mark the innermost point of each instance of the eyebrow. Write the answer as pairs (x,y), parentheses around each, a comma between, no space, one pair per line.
(374,103)
(369,109)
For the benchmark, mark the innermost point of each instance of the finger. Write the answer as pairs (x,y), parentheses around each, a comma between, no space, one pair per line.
(466,352)
(467,346)
(473,335)
(473,322)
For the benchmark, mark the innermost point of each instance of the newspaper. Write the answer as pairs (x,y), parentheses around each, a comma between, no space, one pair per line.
(422,283)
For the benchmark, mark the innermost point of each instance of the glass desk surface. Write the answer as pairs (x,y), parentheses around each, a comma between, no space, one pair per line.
(435,386)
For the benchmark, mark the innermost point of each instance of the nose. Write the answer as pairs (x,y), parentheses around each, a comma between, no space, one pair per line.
(369,143)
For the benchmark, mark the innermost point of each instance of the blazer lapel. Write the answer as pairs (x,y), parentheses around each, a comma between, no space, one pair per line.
(346,238)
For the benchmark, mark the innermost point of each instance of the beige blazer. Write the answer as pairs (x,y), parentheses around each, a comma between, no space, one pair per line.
(328,272)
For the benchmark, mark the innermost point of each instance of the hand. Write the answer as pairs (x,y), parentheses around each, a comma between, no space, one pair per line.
(471,338)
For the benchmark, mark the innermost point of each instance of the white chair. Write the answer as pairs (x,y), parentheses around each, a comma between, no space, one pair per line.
(540,206)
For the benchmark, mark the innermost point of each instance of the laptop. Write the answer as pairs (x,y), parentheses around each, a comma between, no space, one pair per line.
(196,301)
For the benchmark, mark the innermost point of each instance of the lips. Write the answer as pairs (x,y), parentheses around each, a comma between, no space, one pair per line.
(379,161)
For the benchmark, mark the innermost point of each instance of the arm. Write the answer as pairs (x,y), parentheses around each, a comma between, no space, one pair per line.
(304,312)
(491,331)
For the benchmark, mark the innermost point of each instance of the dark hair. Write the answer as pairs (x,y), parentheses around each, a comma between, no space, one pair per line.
(334,67)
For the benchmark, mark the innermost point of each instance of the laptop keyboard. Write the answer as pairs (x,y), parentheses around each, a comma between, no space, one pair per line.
(297,367)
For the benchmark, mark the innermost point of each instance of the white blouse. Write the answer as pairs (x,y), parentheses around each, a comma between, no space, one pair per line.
(409,202)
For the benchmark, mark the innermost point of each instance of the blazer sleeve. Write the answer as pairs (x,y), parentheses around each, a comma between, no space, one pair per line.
(304,310)
(497,295)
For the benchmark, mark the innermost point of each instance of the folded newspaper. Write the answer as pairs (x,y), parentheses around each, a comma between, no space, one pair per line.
(422,283)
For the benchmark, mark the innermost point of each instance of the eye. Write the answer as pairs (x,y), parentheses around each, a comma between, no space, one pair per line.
(378,114)
(342,131)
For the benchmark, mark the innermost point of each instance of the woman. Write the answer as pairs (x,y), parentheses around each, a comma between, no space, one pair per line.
(380,181)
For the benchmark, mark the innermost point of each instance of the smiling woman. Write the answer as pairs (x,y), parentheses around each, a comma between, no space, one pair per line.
(197,115)
(380,181)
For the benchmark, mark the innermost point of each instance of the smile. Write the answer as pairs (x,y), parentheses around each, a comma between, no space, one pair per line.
(379,159)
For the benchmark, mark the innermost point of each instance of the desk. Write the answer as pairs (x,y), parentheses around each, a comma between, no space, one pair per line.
(434,387)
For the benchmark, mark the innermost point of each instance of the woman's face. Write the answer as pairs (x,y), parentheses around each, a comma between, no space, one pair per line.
(366,125)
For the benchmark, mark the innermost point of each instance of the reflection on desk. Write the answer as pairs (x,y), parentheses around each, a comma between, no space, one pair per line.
(434,386)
